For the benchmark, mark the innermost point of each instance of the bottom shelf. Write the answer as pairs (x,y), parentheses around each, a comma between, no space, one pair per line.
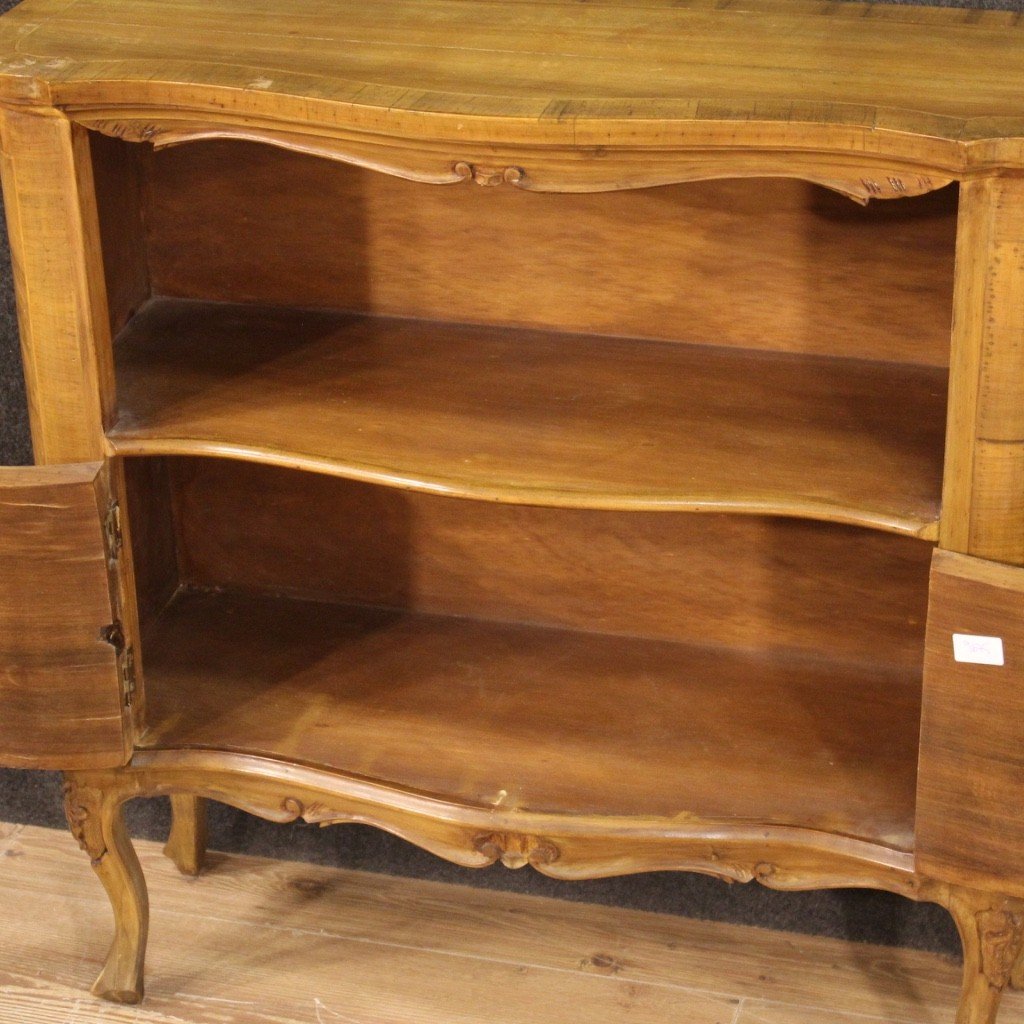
(539,719)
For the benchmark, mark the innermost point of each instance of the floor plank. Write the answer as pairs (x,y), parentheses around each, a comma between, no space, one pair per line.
(266,942)
(7,834)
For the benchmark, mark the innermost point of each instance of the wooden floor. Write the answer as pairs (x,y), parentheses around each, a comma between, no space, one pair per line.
(262,941)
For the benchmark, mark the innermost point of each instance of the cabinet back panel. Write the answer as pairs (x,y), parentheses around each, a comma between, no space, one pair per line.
(762,263)
(749,582)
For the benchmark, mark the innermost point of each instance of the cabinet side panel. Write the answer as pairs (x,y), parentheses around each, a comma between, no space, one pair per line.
(983,494)
(970,829)
(154,549)
(61,704)
(49,195)
(766,263)
(118,180)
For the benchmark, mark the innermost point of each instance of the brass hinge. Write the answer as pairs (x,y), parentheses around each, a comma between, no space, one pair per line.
(114,635)
(126,662)
(112,530)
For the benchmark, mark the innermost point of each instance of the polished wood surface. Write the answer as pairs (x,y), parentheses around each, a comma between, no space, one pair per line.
(61,702)
(329,43)
(562,846)
(95,817)
(544,720)
(153,545)
(266,939)
(599,422)
(969,828)
(119,188)
(749,582)
(983,501)
(186,845)
(538,352)
(63,317)
(991,929)
(766,72)
(773,263)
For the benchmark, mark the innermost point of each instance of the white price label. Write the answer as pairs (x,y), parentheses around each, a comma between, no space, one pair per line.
(978,650)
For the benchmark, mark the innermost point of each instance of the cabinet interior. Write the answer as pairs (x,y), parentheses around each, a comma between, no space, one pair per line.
(761,263)
(450,548)
(726,345)
(623,662)
(769,263)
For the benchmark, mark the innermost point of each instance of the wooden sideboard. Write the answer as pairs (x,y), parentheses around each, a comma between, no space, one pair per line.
(639,510)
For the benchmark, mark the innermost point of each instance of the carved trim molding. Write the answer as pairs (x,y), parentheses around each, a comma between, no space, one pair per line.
(488,175)
(516,851)
(561,846)
(82,808)
(293,810)
(877,173)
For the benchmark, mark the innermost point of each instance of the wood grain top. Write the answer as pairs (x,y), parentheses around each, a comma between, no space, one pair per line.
(553,66)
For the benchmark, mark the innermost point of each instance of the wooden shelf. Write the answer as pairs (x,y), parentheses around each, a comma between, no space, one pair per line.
(538,719)
(595,422)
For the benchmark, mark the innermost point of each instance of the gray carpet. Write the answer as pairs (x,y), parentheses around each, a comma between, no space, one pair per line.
(34,797)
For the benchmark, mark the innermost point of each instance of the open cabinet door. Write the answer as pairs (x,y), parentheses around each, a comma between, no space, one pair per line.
(62,678)
(970,791)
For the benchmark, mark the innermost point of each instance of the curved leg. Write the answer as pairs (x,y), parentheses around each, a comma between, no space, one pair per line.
(1017,975)
(992,931)
(186,845)
(96,818)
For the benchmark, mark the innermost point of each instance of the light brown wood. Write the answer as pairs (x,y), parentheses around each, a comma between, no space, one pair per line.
(186,845)
(564,846)
(96,819)
(538,719)
(49,196)
(968,826)
(773,263)
(153,546)
(119,209)
(983,502)
(527,713)
(599,422)
(60,687)
(992,931)
(267,939)
(746,582)
(514,72)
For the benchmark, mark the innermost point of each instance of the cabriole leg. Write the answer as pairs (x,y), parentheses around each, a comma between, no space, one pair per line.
(1017,975)
(96,818)
(992,931)
(186,844)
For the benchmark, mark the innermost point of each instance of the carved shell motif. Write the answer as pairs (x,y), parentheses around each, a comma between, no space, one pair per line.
(1001,933)
(81,807)
(516,851)
(315,813)
(489,175)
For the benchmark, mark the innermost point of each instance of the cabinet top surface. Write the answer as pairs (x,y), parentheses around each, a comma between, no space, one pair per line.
(945,74)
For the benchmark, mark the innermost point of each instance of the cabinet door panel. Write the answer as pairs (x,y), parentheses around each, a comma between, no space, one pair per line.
(61,701)
(970,797)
